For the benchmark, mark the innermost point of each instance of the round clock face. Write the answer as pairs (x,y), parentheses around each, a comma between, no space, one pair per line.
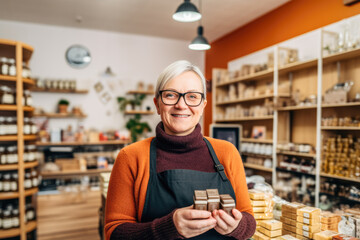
(78,56)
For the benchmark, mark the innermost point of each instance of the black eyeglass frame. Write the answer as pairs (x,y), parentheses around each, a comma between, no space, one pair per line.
(181,95)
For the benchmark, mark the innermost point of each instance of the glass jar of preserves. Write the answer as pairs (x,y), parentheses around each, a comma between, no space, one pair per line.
(1,189)
(33,126)
(34,178)
(30,212)
(28,98)
(14,182)
(11,126)
(26,153)
(12,155)
(7,95)
(2,126)
(31,153)
(27,126)
(2,156)
(12,67)
(25,70)
(15,218)
(6,180)
(7,221)
(4,66)
(27,181)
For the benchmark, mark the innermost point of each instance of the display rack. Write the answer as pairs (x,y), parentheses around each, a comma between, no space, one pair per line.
(21,52)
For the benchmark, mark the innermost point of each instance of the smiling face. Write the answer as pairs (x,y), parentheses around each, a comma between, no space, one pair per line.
(180,119)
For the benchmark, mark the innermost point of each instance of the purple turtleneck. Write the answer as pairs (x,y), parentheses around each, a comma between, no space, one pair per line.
(178,152)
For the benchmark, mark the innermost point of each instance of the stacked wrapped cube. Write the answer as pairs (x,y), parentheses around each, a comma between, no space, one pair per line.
(268,229)
(262,205)
(330,221)
(325,235)
(308,222)
(289,217)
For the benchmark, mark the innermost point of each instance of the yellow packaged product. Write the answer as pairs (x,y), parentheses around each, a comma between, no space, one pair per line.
(309,212)
(269,233)
(329,218)
(315,227)
(271,224)
(258,203)
(287,237)
(263,216)
(292,207)
(289,228)
(289,215)
(257,195)
(259,236)
(259,209)
(332,227)
(309,221)
(288,221)
(325,235)
(301,237)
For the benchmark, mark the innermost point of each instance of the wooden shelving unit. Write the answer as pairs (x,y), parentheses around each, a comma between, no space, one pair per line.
(41,90)
(257,167)
(251,99)
(298,154)
(60,115)
(253,140)
(131,112)
(256,155)
(71,174)
(111,142)
(141,92)
(295,108)
(355,180)
(341,128)
(256,76)
(348,104)
(291,67)
(21,52)
(245,119)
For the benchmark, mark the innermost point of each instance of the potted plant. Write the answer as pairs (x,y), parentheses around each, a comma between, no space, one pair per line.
(137,128)
(137,101)
(63,106)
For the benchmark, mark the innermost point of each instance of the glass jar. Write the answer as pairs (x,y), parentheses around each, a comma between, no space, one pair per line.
(2,156)
(31,153)
(7,220)
(28,98)
(34,178)
(33,126)
(26,153)
(27,126)
(7,95)
(27,181)
(6,182)
(14,182)
(15,218)
(11,126)
(1,217)
(12,67)
(25,70)
(30,212)
(12,155)
(4,66)
(1,189)
(2,126)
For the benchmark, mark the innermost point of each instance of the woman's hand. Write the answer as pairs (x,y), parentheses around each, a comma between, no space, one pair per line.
(225,223)
(190,222)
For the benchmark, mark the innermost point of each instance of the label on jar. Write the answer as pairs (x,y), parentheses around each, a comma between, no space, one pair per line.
(13,186)
(12,158)
(27,129)
(15,222)
(31,156)
(27,183)
(7,223)
(5,69)
(6,187)
(30,215)
(2,129)
(12,70)
(34,129)
(8,98)
(34,182)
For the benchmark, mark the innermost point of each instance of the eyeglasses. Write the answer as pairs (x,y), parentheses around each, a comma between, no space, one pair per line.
(170,97)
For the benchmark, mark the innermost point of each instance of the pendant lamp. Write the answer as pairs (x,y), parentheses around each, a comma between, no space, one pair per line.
(200,42)
(187,12)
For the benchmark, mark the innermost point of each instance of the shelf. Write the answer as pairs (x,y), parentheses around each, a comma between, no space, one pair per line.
(31,164)
(253,140)
(30,137)
(256,155)
(41,90)
(13,232)
(4,107)
(295,108)
(310,155)
(15,138)
(341,128)
(257,167)
(297,66)
(255,76)
(8,78)
(15,166)
(31,191)
(10,195)
(141,92)
(251,99)
(65,174)
(295,172)
(59,115)
(246,119)
(348,104)
(341,56)
(112,142)
(342,198)
(139,112)
(28,81)
(340,177)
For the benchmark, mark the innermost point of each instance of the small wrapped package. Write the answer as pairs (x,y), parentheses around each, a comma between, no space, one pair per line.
(271,224)
(316,227)
(329,218)
(259,236)
(301,237)
(200,200)
(289,228)
(263,216)
(259,209)
(324,235)
(309,212)
(213,199)
(269,233)
(344,237)
(227,203)
(309,221)
(258,203)
(331,227)
(289,215)
(256,194)
(286,232)
(287,237)
(288,221)
(292,207)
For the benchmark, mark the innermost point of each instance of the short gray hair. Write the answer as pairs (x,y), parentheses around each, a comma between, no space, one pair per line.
(175,69)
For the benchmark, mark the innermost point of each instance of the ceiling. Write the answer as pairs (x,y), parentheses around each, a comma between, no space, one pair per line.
(145,17)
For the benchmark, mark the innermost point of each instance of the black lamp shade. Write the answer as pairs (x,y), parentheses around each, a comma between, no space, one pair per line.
(187,12)
(200,42)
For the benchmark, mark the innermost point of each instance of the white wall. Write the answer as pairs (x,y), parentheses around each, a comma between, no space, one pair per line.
(132,58)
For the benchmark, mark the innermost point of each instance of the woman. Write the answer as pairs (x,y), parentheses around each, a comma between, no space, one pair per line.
(151,188)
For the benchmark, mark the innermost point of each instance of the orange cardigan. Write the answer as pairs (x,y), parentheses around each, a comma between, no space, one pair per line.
(130,176)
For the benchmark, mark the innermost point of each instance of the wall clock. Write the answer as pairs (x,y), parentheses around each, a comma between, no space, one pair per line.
(78,56)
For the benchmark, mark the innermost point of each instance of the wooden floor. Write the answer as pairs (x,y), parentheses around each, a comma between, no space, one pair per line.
(68,216)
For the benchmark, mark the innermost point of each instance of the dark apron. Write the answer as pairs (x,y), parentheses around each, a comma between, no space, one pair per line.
(173,189)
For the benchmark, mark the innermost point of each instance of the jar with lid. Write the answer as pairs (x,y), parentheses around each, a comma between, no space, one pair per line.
(28,98)
(6,180)
(1,218)
(26,153)
(27,126)
(25,70)
(2,126)
(12,67)
(7,95)
(14,182)
(7,220)
(12,155)
(4,66)
(28,180)
(15,218)
(3,156)
(1,189)
(34,178)
(11,126)
(31,153)
(30,212)
(33,126)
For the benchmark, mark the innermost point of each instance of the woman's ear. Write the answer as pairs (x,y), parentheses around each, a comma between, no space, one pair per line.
(156,102)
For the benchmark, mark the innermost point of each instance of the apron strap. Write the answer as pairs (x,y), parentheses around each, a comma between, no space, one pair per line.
(218,166)
(153,156)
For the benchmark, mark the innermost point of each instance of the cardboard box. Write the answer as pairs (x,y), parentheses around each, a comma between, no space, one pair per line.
(68,164)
